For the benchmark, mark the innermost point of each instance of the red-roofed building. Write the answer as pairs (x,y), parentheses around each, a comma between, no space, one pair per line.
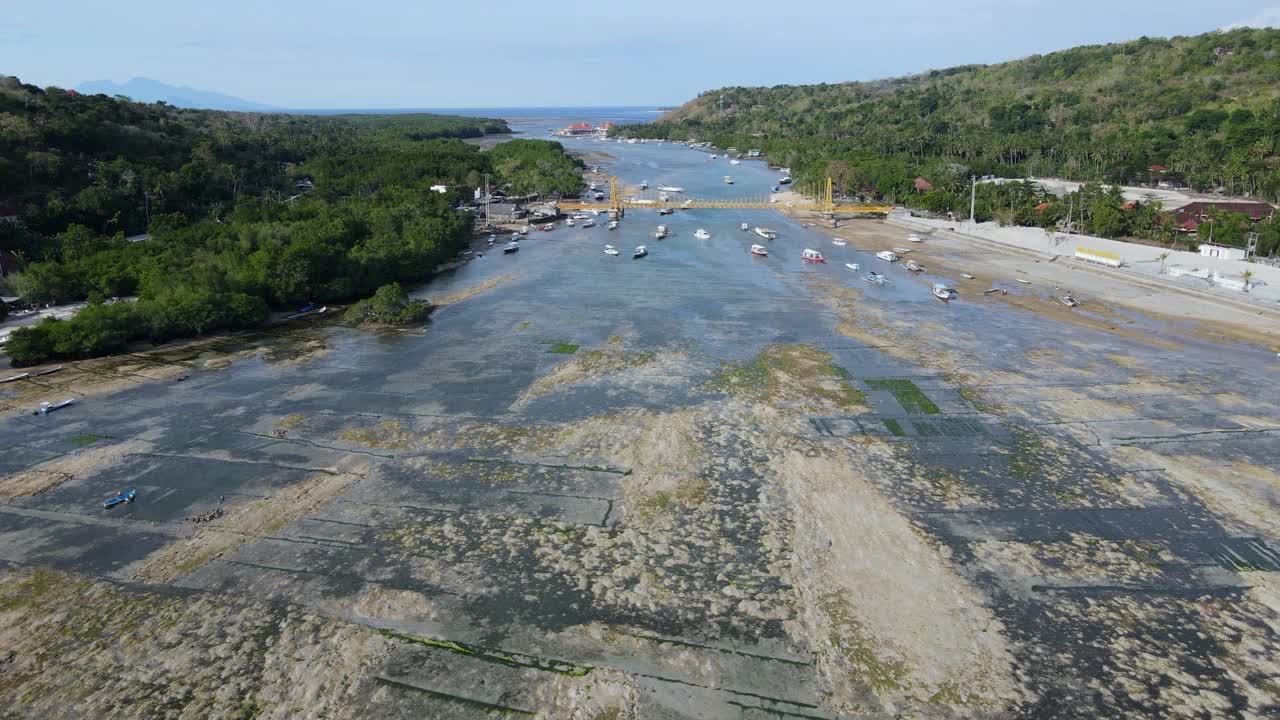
(1129,205)
(1190,216)
(923,185)
(1158,169)
(1043,206)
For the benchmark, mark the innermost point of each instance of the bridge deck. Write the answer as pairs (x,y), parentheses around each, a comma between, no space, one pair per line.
(694,204)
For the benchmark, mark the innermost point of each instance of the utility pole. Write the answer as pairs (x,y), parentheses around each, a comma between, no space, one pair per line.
(973,201)
(487,222)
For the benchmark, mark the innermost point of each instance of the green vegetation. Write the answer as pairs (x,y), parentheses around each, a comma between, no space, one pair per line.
(390,305)
(245,212)
(790,372)
(911,398)
(87,439)
(894,427)
(1207,108)
(563,348)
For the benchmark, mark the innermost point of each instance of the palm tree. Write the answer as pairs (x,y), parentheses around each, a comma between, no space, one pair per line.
(1247,275)
(1163,257)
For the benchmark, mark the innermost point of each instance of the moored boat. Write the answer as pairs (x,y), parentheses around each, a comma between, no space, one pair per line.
(610,250)
(511,247)
(784,181)
(966,276)
(943,292)
(19,376)
(902,251)
(914,238)
(758,250)
(589,223)
(547,228)
(838,242)
(852,266)
(728,179)
(666,211)
(670,188)
(702,234)
(569,222)
(875,278)
(661,232)
(119,499)
(887,256)
(46,408)
(745,226)
(644,184)
(913,266)
(639,252)
(810,255)
(765,233)
(613,225)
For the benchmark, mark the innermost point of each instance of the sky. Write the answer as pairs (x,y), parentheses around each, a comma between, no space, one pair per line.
(515,53)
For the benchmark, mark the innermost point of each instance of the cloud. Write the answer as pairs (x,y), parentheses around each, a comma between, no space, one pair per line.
(1265,18)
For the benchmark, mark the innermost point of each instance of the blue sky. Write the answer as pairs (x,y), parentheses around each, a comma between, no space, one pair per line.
(428,53)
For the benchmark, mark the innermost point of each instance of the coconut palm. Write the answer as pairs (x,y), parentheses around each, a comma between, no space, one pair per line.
(1164,256)
(1247,275)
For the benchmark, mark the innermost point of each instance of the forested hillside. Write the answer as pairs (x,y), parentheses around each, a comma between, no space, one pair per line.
(1205,107)
(236,227)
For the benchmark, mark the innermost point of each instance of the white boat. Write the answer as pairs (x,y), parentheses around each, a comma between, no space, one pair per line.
(714,156)
(745,226)
(511,247)
(902,251)
(599,195)
(666,211)
(640,251)
(1024,282)
(728,179)
(702,234)
(758,250)
(784,181)
(661,232)
(589,223)
(914,238)
(810,255)
(45,408)
(670,188)
(569,222)
(887,256)
(735,161)
(942,292)
(765,233)
(966,276)
(524,230)
(610,250)
(838,242)
(613,224)
(913,266)
(1069,301)
(875,278)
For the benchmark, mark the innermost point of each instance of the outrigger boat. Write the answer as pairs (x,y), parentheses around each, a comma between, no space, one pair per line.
(759,250)
(810,255)
(19,376)
(46,408)
(119,499)
(766,233)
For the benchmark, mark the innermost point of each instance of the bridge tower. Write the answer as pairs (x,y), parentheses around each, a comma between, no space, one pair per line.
(615,198)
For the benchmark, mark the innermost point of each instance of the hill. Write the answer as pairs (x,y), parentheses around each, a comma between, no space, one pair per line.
(1205,107)
(146,90)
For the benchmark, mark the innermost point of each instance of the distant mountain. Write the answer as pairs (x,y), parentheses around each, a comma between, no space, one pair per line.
(148,91)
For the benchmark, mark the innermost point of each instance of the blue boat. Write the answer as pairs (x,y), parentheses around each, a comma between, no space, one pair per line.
(124,497)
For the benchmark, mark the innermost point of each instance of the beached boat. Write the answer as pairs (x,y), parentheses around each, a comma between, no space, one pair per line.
(639,252)
(902,251)
(702,234)
(613,225)
(1024,282)
(1002,291)
(46,408)
(838,242)
(784,181)
(852,266)
(887,256)
(119,499)
(875,278)
(661,232)
(510,247)
(12,378)
(765,233)
(810,255)
(728,179)
(942,292)
(913,266)
(914,238)
(610,250)
(1069,301)
(759,250)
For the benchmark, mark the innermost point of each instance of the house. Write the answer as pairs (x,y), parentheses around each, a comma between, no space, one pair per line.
(753,153)
(1158,169)
(923,185)
(1189,217)
(582,128)
(440,188)
(506,212)
(1222,251)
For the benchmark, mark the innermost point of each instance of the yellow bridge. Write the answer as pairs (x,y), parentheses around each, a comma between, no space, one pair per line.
(621,200)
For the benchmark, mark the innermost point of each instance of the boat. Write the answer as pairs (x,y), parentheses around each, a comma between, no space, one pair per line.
(613,225)
(119,498)
(942,292)
(670,188)
(966,276)
(887,256)
(1069,301)
(765,233)
(325,309)
(851,266)
(1024,282)
(784,181)
(664,197)
(547,228)
(913,266)
(735,161)
(702,234)
(569,222)
(510,247)
(745,226)
(639,252)
(1002,291)
(714,156)
(50,371)
(524,230)
(914,238)
(46,408)
(598,195)
(666,211)
(812,256)
(589,223)
(875,278)
(662,232)
(610,250)
(759,250)
(838,242)
(902,251)
(644,184)
(777,188)
(728,179)
(19,376)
